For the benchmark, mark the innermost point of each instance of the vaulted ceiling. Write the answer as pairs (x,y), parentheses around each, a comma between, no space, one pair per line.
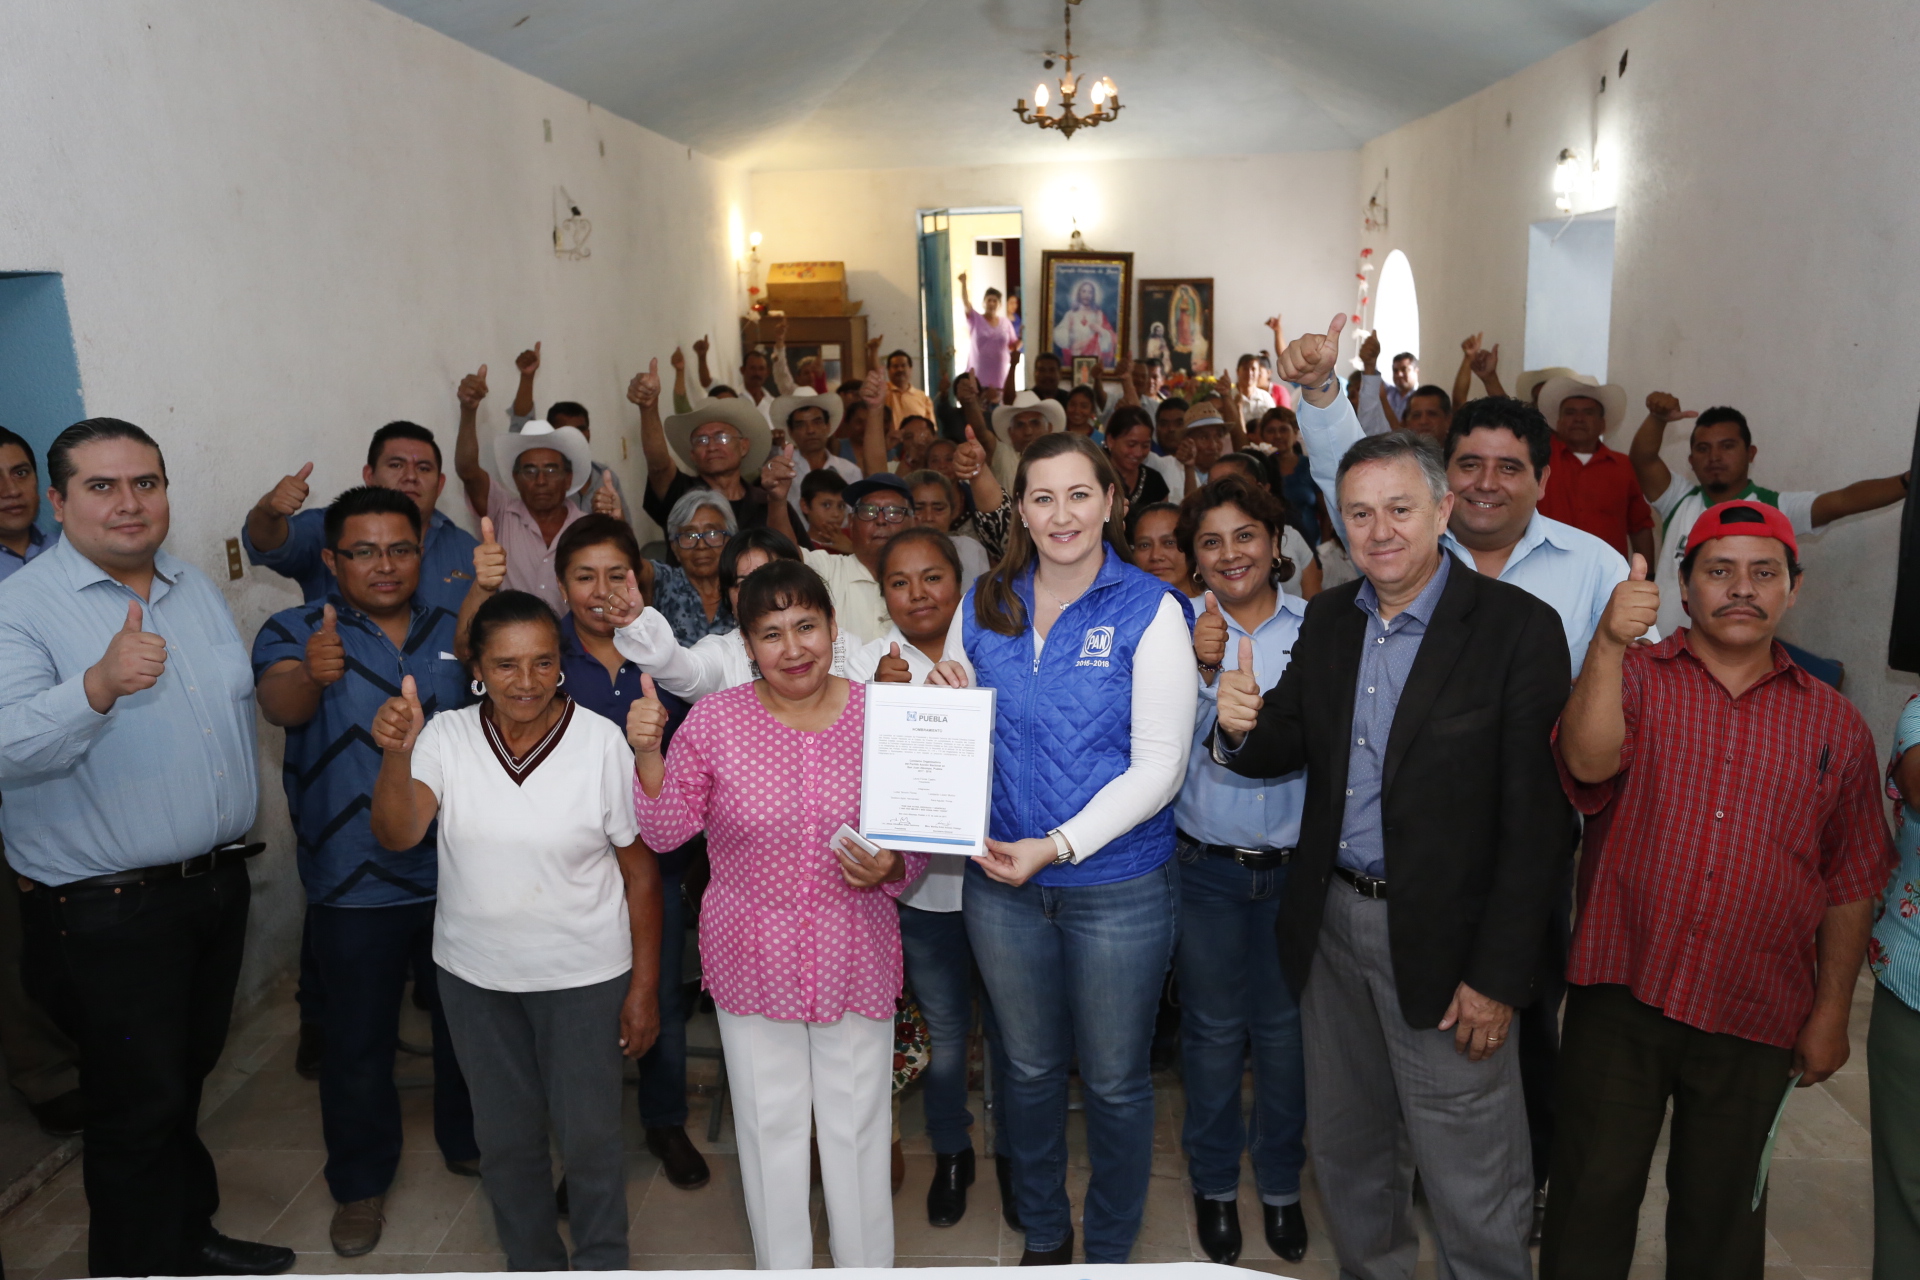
(822,84)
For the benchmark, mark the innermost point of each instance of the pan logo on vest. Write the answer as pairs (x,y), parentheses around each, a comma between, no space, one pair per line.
(1098,644)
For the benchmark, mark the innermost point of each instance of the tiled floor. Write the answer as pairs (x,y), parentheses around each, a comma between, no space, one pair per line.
(263,1123)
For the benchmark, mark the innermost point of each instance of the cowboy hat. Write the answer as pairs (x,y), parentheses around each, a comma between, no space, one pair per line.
(786,406)
(1613,399)
(1052,410)
(538,434)
(733,411)
(1532,378)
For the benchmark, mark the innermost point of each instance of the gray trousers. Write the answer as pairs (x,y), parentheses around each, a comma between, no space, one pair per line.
(540,1062)
(1385,1099)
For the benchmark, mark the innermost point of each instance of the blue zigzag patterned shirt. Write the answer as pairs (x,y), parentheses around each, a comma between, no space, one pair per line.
(331,761)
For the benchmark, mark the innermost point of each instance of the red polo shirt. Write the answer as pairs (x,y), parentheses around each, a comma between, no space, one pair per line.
(1601,495)
(1712,856)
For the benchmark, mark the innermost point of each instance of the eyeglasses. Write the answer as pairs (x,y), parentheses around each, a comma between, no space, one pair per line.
(691,538)
(872,511)
(549,470)
(722,438)
(399,552)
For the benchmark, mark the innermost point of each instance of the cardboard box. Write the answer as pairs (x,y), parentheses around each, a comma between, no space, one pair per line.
(808,289)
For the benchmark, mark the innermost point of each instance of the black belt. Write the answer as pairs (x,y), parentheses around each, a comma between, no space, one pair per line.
(1363,884)
(193,868)
(1251,859)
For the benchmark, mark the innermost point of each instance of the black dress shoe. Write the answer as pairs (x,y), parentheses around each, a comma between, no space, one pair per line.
(685,1167)
(1219,1228)
(1286,1230)
(313,1045)
(225,1256)
(1061,1257)
(947,1197)
(62,1117)
(1009,1207)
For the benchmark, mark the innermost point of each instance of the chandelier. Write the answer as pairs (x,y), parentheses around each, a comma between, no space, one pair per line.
(1105,98)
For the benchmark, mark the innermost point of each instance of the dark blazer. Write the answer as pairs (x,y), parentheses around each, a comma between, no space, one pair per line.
(1475,823)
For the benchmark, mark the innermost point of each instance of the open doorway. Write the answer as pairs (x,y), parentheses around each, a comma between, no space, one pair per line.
(40,394)
(1570,293)
(985,246)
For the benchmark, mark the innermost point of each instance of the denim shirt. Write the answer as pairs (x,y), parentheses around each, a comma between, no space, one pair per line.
(1385,659)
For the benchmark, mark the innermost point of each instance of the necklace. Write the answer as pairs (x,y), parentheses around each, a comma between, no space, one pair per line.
(1058,602)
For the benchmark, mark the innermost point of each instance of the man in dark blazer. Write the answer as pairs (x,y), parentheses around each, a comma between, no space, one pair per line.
(1420,700)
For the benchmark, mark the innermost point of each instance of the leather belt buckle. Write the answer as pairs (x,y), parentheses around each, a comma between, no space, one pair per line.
(199,865)
(1365,885)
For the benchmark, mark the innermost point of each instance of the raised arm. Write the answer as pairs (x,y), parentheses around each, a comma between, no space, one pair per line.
(267,521)
(1644,452)
(403,806)
(701,371)
(782,375)
(1861,495)
(966,299)
(644,391)
(1486,367)
(489,575)
(528,363)
(690,672)
(1328,424)
(466,445)
(1593,728)
(1463,377)
(970,464)
(290,690)
(679,362)
(871,448)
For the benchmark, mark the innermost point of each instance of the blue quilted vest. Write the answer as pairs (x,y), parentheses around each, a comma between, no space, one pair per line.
(1063,723)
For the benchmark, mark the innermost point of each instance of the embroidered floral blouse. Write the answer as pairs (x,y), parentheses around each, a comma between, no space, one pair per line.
(782,933)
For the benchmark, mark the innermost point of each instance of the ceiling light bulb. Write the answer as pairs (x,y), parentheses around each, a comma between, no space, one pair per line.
(1040,97)
(753,240)
(1567,173)
(1099,92)
(1112,91)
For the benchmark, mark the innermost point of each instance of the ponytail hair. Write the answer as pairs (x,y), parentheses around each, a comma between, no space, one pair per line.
(996,606)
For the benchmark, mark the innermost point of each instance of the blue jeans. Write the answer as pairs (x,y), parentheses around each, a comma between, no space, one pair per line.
(1077,969)
(364,956)
(940,971)
(663,1069)
(1232,993)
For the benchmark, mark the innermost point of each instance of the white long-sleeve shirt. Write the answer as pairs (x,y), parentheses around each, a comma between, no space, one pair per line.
(693,671)
(1166,697)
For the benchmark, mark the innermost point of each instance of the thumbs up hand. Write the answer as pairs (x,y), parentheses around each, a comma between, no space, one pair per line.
(397,725)
(893,668)
(472,389)
(776,474)
(326,655)
(134,660)
(646,720)
(1240,699)
(1309,359)
(969,457)
(489,560)
(1633,607)
(644,390)
(605,501)
(1210,638)
(289,495)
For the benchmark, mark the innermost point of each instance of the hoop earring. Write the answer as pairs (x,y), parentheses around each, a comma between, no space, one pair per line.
(1282,569)
(479,688)
(561,681)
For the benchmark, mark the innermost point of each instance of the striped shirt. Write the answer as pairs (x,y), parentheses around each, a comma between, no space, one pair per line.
(1713,854)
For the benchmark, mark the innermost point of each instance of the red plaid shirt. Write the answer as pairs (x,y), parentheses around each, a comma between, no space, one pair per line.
(1712,856)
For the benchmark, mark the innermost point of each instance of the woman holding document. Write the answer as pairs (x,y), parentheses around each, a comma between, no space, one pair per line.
(1071,912)
(799,939)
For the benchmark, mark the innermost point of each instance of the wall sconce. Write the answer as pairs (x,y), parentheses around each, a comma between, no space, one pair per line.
(1566,179)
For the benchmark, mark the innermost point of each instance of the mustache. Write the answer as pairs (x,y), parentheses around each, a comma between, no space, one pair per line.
(1728,610)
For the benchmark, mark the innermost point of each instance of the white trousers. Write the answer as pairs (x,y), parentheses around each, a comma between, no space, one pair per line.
(787,1079)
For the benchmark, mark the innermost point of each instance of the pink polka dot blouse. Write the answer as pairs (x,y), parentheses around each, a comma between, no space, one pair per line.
(782,933)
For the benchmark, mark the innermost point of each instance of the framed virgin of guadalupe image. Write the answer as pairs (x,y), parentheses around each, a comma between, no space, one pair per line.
(1176,324)
(1086,304)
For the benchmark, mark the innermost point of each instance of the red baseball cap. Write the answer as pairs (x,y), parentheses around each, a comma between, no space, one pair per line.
(1743,518)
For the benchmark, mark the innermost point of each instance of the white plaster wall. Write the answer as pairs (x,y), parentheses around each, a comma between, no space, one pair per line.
(284,222)
(1276,233)
(1763,161)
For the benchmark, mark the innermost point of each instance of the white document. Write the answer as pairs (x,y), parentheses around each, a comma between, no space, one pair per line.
(926,774)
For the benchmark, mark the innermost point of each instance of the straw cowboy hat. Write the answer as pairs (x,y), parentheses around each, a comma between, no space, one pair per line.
(1052,410)
(1533,378)
(1613,399)
(732,411)
(784,408)
(538,434)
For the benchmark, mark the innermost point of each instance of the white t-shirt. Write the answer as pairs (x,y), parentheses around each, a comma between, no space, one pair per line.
(1172,472)
(531,896)
(1294,547)
(1678,508)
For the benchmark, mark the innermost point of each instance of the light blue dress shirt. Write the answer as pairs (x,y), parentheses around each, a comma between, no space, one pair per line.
(1386,658)
(1568,568)
(1217,805)
(169,772)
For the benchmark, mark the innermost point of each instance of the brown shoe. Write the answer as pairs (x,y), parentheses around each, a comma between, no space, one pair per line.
(356,1226)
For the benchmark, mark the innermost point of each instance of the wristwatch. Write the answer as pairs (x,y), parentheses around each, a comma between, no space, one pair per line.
(1064,857)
